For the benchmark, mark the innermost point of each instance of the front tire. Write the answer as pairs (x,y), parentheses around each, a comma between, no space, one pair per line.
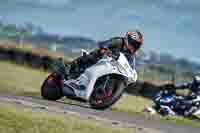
(51,88)
(102,102)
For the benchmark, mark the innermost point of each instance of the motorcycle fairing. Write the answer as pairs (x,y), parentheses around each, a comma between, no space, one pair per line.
(84,84)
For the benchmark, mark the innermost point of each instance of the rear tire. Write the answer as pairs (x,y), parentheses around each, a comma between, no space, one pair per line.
(118,86)
(51,88)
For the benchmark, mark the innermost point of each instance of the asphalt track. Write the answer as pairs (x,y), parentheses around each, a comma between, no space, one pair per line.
(84,111)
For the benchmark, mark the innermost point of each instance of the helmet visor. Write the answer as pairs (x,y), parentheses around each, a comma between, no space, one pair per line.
(134,43)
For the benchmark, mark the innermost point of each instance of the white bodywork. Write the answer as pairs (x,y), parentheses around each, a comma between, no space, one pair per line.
(107,65)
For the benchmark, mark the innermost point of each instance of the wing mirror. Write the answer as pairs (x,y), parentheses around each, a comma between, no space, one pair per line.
(84,52)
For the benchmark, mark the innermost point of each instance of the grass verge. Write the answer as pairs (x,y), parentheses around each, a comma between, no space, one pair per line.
(20,80)
(13,120)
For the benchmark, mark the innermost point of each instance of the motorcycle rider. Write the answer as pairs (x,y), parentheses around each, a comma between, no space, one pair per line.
(128,45)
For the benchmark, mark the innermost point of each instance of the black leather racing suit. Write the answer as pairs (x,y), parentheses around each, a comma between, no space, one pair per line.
(115,45)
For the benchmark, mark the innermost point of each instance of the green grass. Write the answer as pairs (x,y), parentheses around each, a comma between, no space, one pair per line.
(13,120)
(22,80)
(132,104)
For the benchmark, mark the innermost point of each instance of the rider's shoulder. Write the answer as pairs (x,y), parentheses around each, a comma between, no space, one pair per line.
(114,41)
(117,39)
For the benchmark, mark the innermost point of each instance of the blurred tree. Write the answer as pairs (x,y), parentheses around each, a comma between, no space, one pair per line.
(1,22)
(40,30)
(22,31)
(184,65)
(9,28)
(141,55)
(167,59)
(154,57)
(30,27)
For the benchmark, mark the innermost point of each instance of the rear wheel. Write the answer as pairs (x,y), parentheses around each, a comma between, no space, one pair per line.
(107,91)
(52,88)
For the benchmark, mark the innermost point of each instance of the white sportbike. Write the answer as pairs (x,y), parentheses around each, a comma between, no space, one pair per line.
(101,85)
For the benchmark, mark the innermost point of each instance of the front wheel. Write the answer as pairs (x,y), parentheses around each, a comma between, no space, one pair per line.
(107,91)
